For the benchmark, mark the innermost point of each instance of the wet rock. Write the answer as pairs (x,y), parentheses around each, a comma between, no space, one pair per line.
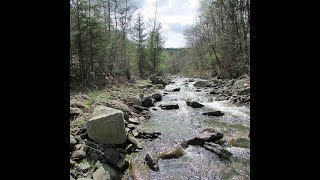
(111,155)
(123,164)
(134,141)
(165,93)
(194,104)
(174,153)
(217,149)
(152,163)
(138,170)
(147,102)
(198,90)
(175,90)
(101,174)
(156,96)
(191,80)
(157,80)
(213,113)
(160,86)
(205,137)
(106,126)
(169,106)
(240,142)
(201,84)
(79,154)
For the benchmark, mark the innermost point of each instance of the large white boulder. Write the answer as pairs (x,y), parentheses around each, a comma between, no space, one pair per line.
(107,126)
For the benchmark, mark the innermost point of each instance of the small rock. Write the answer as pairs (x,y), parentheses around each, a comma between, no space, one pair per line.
(156,96)
(111,155)
(78,146)
(198,90)
(175,90)
(205,137)
(172,153)
(147,102)
(94,156)
(101,174)
(169,106)
(138,170)
(83,166)
(135,133)
(131,126)
(79,154)
(133,121)
(214,113)
(152,163)
(194,104)
(133,140)
(135,101)
(217,149)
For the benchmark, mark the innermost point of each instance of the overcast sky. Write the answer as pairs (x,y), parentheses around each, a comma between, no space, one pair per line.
(174,15)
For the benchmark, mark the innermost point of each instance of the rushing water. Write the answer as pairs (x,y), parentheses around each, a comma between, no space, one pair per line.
(179,124)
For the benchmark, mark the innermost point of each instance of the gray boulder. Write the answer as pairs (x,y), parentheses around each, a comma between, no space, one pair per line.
(106,126)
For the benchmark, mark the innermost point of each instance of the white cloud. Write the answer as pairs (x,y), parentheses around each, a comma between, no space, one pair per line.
(174,16)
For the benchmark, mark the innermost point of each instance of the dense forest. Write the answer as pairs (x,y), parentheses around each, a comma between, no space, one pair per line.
(110,43)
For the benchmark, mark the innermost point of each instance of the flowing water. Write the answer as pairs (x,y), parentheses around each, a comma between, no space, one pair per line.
(186,122)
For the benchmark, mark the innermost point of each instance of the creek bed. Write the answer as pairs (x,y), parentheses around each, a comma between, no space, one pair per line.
(186,122)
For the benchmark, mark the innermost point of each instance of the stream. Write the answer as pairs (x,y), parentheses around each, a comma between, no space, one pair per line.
(186,122)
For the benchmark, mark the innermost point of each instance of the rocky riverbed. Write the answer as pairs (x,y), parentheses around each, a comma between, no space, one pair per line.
(177,129)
